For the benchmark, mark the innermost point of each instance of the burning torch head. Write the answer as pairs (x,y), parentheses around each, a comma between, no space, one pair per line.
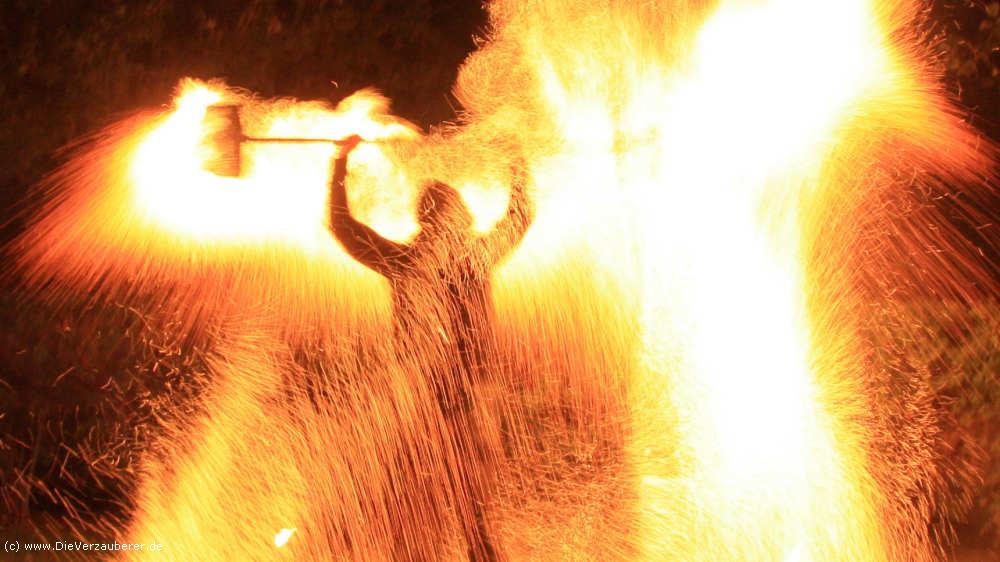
(223,136)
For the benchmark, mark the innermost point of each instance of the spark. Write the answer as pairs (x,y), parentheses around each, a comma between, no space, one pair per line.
(282,536)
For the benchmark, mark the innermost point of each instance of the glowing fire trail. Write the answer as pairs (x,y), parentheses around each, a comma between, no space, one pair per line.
(726,212)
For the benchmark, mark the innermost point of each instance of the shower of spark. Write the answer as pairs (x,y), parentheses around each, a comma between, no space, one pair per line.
(732,198)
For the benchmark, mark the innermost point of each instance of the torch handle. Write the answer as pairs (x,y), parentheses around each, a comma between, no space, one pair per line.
(292,140)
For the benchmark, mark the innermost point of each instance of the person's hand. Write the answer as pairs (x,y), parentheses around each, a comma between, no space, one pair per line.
(347,144)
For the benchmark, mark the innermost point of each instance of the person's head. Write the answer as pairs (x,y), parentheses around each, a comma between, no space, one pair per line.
(440,208)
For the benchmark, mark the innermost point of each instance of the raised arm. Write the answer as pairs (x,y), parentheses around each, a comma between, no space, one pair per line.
(358,239)
(510,230)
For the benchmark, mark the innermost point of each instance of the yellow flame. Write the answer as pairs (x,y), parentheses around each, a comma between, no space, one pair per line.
(713,160)
(282,194)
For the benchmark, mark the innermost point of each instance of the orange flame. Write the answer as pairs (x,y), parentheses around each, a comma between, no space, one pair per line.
(175,192)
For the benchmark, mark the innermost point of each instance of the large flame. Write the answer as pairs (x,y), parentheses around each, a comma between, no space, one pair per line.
(176,192)
(687,375)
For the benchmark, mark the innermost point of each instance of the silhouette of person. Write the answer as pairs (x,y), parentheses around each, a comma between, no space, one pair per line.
(440,285)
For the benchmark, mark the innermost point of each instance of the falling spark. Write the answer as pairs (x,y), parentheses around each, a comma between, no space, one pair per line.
(281,538)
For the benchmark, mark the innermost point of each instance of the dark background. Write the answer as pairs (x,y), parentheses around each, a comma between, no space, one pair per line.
(73,385)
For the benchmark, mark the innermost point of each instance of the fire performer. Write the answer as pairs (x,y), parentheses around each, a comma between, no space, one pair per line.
(442,310)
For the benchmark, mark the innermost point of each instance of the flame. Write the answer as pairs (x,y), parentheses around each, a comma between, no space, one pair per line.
(175,192)
(714,182)
(688,372)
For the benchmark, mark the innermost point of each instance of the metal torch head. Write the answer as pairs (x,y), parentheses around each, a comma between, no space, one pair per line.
(223,136)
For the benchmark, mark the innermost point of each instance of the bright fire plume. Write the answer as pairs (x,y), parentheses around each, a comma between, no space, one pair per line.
(728,209)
